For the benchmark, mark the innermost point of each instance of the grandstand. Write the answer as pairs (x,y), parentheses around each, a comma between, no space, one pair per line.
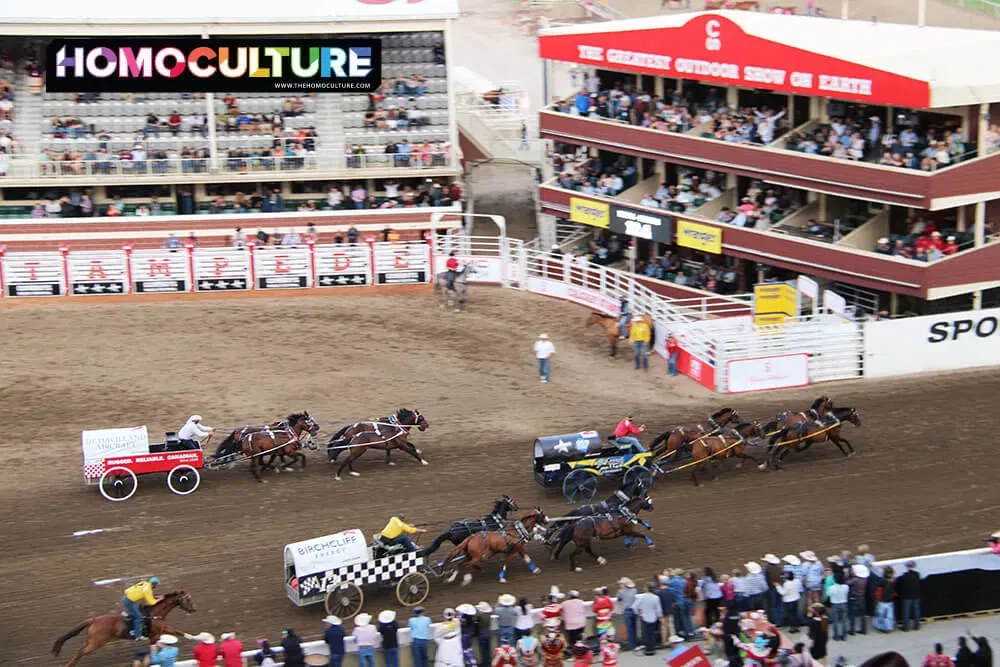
(182,146)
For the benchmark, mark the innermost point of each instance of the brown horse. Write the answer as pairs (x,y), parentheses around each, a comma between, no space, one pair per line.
(729,443)
(473,551)
(802,436)
(621,522)
(612,330)
(283,441)
(102,629)
(230,446)
(678,437)
(819,407)
(388,433)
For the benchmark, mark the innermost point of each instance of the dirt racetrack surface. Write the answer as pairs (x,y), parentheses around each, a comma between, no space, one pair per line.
(922,481)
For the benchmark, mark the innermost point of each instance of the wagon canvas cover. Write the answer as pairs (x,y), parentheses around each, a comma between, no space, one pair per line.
(111,443)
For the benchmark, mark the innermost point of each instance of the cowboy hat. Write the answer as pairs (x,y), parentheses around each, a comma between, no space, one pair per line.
(195,418)
(335,620)
(772,559)
(483,607)
(448,613)
(167,639)
(677,572)
(601,590)
(466,609)
(386,616)
(808,555)
(792,560)
(508,600)
(227,635)
(206,638)
(574,594)
(416,610)
(628,583)
(752,567)
(555,592)
(859,571)
(543,336)
(362,619)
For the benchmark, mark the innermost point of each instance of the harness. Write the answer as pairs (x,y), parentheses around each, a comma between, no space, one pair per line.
(803,438)
(739,441)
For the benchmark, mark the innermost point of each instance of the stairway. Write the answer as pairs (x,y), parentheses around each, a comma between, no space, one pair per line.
(330,129)
(27,124)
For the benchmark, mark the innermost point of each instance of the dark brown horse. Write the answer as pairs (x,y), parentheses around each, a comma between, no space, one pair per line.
(102,629)
(621,522)
(731,442)
(612,331)
(819,407)
(230,446)
(671,441)
(284,441)
(802,436)
(387,433)
(476,549)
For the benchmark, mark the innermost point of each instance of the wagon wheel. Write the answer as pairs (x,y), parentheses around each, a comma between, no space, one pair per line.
(638,474)
(183,480)
(344,599)
(118,484)
(580,486)
(412,589)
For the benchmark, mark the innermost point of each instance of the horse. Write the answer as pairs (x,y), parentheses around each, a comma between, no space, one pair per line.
(616,500)
(229,448)
(385,435)
(726,444)
(283,441)
(403,417)
(805,434)
(819,407)
(680,436)
(460,287)
(102,629)
(620,522)
(460,530)
(612,330)
(476,549)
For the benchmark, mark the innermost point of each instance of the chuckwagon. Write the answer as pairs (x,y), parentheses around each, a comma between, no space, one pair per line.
(334,569)
(114,458)
(576,462)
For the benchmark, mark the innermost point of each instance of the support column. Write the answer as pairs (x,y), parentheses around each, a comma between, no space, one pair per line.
(890,120)
(979,229)
(984,127)
(790,113)
(921,13)
(213,149)
(893,304)
(845,12)
(822,207)
(449,55)
(732,96)
(659,83)
(977,300)
(961,221)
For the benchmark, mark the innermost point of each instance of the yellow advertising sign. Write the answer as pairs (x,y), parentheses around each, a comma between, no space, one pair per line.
(699,237)
(589,212)
(773,303)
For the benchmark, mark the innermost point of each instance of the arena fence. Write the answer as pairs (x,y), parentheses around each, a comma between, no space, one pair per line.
(721,348)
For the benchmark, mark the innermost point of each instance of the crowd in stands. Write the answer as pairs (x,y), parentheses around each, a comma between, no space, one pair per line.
(400,153)
(7,144)
(925,242)
(703,276)
(762,206)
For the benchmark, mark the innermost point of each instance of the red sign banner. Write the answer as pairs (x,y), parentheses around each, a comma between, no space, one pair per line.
(714,49)
(144,463)
(700,371)
(692,656)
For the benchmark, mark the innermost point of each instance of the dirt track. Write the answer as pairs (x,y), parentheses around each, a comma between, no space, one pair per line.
(66,367)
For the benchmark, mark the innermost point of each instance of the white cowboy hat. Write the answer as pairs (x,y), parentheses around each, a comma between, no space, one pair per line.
(227,635)
(628,583)
(466,609)
(386,616)
(772,559)
(860,571)
(333,620)
(448,613)
(752,567)
(574,594)
(543,336)
(168,640)
(792,559)
(808,555)
(506,600)
(195,418)
(483,607)
(206,638)
(362,619)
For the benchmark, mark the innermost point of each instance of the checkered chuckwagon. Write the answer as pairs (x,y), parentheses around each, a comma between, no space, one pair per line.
(378,571)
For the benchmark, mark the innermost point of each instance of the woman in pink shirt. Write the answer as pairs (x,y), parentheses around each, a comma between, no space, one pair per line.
(574,617)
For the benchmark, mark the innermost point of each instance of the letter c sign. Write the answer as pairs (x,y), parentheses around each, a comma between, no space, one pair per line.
(713,35)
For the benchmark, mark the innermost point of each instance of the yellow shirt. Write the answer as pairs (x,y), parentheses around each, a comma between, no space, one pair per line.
(396,527)
(639,332)
(141,592)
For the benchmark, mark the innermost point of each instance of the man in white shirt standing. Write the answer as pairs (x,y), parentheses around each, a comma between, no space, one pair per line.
(544,349)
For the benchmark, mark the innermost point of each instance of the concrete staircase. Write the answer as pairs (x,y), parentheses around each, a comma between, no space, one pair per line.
(27,117)
(330,128)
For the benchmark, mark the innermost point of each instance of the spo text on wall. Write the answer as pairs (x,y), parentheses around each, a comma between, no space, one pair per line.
(241,65)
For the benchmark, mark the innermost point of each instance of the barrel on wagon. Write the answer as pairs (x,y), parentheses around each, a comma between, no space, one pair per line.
(575,462)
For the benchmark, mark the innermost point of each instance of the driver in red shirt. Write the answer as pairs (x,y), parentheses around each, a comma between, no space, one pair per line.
(625,432)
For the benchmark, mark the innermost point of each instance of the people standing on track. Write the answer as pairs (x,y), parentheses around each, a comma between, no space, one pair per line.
(544,349)
(191,433)
(625,434)
(136,597)
(398,532)
(640,337)
(673,353)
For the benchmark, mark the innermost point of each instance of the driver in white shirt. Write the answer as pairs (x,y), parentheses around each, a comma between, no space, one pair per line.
(191,433)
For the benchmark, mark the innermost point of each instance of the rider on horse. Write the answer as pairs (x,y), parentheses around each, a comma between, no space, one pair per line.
(625,432)
(623,318)
(136,597)
(192,431)
(453,267)
(398,532)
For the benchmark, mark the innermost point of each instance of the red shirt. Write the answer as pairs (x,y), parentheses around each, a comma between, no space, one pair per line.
(950,248)
(231,649)
(604,606)
(923,243)
(504,655)
(609,654)
(672,346)
(935,660)
(626,427)
(452,264)
(206,654)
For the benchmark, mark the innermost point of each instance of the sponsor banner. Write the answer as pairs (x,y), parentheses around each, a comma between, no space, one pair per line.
(699,237)
(221,269)
(488,269)
(156,462)
(692,656)
(33,273)
(589,212)
(342,265)
(329,552)
(97,272)
(641,224)
(773,303)
(765,373)
(401,263)
(696,368)
(715,49)
(112,443)
(282,267)
(160,271)
(574,293)
(932,343)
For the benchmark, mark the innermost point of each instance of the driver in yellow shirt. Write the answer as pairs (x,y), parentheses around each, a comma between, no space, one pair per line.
(398,531)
